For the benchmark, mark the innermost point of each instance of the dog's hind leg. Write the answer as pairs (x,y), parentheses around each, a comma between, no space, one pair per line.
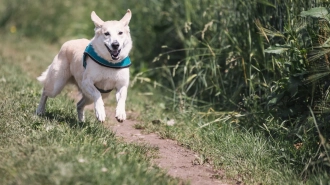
(42,105)
(54,79)
(81,106)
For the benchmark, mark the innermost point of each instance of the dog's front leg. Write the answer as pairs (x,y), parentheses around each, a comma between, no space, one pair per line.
(91,92)
(121,99)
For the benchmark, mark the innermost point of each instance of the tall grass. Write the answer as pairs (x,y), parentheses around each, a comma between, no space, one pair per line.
(224,66)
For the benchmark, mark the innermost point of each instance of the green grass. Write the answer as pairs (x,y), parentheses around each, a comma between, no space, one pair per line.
(56,149)
(245,155)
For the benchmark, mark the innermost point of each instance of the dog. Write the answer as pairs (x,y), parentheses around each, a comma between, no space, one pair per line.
(95,66)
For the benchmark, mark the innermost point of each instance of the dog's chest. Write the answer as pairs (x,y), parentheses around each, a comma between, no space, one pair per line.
(108,78)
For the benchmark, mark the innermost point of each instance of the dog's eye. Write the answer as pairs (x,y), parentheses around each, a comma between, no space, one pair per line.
(120,33)
(106,33)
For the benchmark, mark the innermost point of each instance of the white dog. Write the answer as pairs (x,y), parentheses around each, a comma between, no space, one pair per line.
(96,67)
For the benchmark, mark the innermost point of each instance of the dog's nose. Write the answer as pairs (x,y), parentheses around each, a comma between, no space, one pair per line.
(115,45)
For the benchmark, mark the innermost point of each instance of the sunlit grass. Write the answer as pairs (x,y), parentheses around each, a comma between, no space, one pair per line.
(56,148)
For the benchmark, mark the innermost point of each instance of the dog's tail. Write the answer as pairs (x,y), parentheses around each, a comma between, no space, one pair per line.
(43,76)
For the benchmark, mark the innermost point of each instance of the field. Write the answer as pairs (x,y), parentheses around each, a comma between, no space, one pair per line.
(245,84)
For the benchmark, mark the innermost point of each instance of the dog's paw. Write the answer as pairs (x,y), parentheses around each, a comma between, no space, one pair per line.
(100,113)
(40,111)
(81,116)
(120,115)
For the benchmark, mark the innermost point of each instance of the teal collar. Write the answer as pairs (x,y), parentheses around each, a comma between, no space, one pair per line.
(89,51)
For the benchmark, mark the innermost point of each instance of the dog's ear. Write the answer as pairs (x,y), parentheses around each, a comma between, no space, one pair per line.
(127,17)
(97,21)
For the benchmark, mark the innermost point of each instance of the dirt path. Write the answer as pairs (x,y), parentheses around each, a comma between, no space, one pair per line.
(177,160)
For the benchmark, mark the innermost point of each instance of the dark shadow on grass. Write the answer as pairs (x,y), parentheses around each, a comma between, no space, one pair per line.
(69,118)
(62,117)
(73,123)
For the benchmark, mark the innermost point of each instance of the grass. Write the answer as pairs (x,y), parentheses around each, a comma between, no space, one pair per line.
(56,149)
(245,155)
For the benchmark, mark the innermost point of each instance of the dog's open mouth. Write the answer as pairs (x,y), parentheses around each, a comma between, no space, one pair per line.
(114,53)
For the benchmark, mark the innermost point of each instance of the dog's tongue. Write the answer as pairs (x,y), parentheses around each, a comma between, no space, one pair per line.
(115,52)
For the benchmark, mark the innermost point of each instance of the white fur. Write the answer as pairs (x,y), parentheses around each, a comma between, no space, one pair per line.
(67,67)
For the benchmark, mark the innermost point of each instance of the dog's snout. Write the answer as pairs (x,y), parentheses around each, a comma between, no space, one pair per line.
(115,45)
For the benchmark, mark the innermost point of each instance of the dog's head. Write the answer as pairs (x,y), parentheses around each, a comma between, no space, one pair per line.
(112,39)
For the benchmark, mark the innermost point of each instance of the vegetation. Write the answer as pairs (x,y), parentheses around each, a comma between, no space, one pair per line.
(246,80)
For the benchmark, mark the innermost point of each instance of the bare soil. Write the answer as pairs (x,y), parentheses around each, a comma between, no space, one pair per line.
(176,160)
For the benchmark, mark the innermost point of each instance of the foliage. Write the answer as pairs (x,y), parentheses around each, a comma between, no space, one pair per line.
(225,67)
